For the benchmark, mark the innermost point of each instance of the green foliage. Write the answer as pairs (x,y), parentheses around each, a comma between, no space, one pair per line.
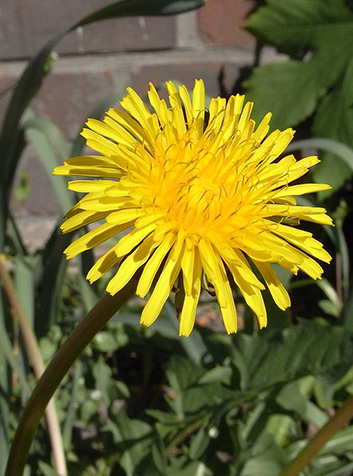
(317,35)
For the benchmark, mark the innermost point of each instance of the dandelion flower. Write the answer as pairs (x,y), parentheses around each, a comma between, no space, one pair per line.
(198,192)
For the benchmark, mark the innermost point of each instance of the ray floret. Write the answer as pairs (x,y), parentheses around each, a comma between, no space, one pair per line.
(195,196)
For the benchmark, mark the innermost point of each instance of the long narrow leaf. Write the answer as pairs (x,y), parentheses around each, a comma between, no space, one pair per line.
(50,275)
(47,142)
(7,356)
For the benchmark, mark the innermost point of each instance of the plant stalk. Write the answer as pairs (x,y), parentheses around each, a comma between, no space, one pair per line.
(38,367)
(56,370)
(338,421)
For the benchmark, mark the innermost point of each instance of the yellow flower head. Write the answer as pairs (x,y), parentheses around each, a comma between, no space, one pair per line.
(204,192)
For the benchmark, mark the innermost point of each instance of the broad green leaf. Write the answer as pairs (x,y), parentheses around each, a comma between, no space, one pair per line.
(338,468)
(292,398)
(318,37)
(104,341)
(334,119)
(309,348)
(278,426)
(301,25)
(339,443)
(194,468)
(266,458)
(133,438)
(191,394)
(290,90)
(217,375)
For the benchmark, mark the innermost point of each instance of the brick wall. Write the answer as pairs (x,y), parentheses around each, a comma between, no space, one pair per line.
(105,58)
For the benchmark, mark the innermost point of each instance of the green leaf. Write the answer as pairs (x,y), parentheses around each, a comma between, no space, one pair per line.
(318,37)
(46,470)
(104,341)
(51,149)
(5,388)
(292,398)
(199,442)
(7,357)
(334,119)
(309,348)
(301,25)
(217,375)
(49,284)
(195,468)
(289,90)
(133,439)
(337,468)
(266,458)
(72,407)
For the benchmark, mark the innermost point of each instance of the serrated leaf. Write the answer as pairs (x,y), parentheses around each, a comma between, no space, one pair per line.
(134,437)
(300,25)
(289,90)
(334,119)
(318,37)
(310,348)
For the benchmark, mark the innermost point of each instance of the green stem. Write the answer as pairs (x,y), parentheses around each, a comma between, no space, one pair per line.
(338,421)
(81,336)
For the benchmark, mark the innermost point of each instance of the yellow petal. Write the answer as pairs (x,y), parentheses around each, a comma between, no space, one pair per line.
(131,264)
(187,316)
(93,238)
(153,265)
(164,286)
(81,219)
(276,288)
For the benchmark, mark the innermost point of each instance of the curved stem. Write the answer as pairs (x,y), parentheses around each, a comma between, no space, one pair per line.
(80,337)
(36,360)
(338,421)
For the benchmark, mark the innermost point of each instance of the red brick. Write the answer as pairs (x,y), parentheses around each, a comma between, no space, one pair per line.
(26,25)
(67,99)
(221,22)
(186,74)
